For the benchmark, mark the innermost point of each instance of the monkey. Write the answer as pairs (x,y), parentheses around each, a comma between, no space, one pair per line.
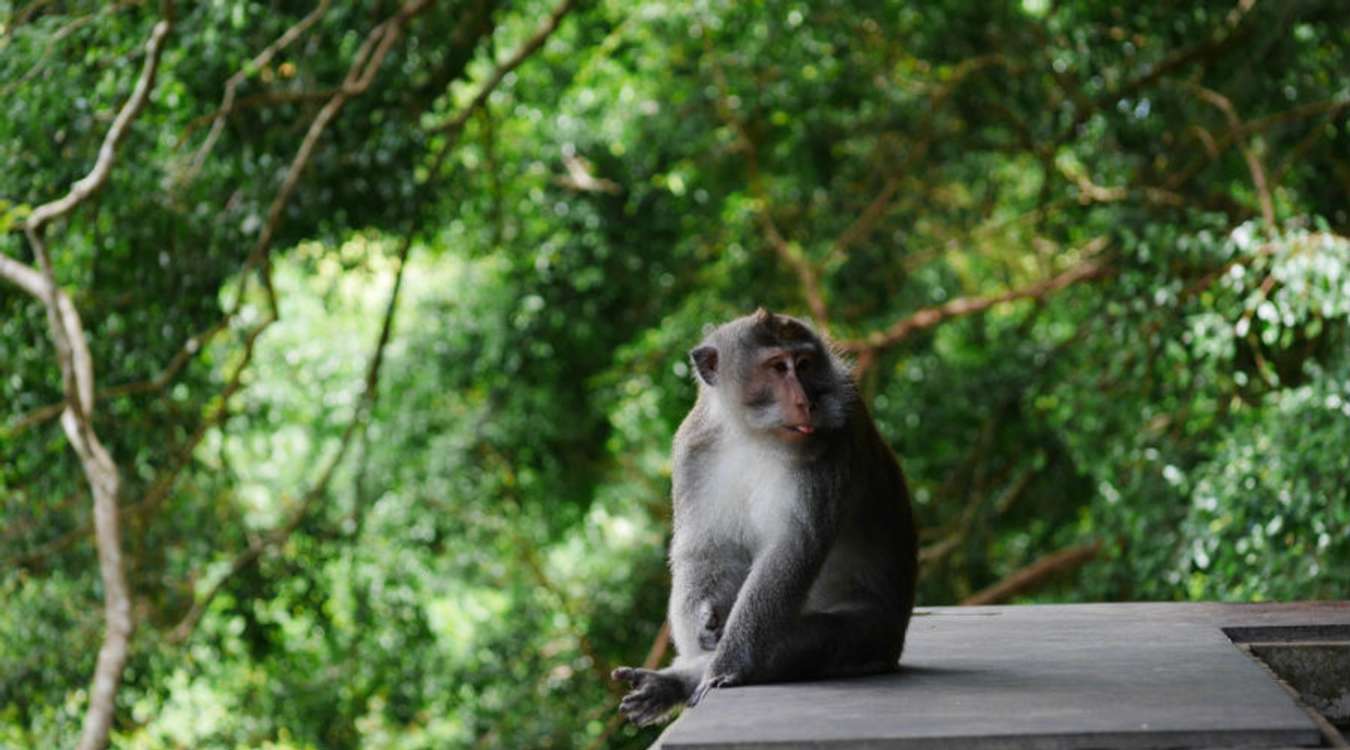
(794,553)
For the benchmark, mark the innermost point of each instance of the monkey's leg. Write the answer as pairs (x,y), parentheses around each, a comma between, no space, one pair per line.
(656,692)
(844,643)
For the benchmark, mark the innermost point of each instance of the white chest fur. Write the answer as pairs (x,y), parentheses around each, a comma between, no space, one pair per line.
(750,496)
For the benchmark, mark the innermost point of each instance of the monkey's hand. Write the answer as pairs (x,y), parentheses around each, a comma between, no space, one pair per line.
(710,632)
(653,696)
(710,681)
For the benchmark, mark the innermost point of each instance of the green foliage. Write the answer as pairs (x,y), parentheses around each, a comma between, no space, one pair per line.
(492,541)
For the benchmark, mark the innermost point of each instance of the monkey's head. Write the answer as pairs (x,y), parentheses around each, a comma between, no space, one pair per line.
(773,375)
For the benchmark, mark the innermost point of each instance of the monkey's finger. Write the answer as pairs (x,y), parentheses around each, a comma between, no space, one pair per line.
(645,713)
(627,674)
(637,710)
(699,692)
(649,718)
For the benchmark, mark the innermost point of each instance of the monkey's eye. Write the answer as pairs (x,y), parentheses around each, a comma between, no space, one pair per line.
(780,367)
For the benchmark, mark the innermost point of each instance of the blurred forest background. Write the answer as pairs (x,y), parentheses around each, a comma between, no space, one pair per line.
(369,325)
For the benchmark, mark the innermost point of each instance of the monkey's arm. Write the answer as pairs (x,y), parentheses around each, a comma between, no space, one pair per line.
(769,605)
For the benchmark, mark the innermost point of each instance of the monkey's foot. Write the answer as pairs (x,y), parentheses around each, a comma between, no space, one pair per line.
(710,682)
(654,695)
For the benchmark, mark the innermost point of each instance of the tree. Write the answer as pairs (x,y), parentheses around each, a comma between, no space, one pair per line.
(388,304)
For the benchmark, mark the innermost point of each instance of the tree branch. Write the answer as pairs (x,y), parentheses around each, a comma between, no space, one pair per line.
(69,28)
(77,376)
(369,57)
(359,419)
(876,210)
(231,86)
(23,276)
(529,47)
(279,535)
(867,221)
(961,306)
(1034,575)
(260,99)
(1254,166)
(87,185)
(195,344)
(932,554)
(1225,35)
(163,484)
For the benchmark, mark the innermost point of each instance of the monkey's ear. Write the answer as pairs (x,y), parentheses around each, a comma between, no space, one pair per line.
(705,362)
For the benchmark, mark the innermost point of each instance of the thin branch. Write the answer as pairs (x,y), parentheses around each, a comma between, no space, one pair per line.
(1034,575)
(1181,58)
(529,47)
(227,104)
(932,316)
(369,57)
(69,28)
(580,179)
(876,210)
(1226,34)
(1091,192)
(262,98)
(355,83)
(1214,148)
(1296,154)
(21,17)
(598,664)
(190,348)
(165,481)
(1254,166)
(871,216)
(359,76)
(807,273)
(934,553)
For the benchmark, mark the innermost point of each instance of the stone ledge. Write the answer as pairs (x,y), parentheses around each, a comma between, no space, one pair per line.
(1050,676)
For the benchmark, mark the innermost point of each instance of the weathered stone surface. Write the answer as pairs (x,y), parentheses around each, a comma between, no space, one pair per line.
(1073,676)
(1320,672)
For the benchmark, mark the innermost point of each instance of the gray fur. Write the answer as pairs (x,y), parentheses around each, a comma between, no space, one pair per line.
(790,559)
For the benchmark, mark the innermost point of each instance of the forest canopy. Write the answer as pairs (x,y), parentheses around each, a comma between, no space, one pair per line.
(342,343)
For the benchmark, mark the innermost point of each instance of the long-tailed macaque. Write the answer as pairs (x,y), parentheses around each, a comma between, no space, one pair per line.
(794,553)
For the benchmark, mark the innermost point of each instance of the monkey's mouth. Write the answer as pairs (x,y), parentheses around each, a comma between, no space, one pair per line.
(801,429)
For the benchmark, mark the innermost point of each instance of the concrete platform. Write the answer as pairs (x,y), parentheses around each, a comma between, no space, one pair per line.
(1054,677)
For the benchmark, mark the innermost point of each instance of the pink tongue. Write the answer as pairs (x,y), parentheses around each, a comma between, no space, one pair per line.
(806,429)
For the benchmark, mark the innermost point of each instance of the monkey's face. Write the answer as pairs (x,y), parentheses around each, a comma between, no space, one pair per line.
(775,377)
(775,395)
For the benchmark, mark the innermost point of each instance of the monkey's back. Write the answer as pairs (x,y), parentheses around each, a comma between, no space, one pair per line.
(874,561)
